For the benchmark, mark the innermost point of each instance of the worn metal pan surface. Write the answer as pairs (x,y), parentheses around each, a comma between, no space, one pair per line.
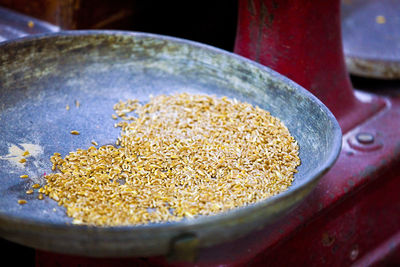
(40,75)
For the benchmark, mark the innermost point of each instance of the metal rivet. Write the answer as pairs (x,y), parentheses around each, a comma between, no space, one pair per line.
(365,138)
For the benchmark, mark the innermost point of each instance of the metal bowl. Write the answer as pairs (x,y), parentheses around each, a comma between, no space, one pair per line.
(40,75)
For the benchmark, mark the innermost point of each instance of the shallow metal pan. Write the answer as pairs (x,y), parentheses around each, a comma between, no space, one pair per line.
(40,75)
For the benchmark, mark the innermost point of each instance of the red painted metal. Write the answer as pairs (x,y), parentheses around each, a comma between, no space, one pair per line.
(302,40)
(356,206)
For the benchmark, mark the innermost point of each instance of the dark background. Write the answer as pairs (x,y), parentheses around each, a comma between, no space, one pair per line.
(207,21)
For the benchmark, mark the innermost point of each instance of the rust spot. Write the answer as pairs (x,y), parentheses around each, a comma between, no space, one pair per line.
(367,172)
(327,240)
(275,4)
(251,7)
(265,20)
(397,150)
(267,17)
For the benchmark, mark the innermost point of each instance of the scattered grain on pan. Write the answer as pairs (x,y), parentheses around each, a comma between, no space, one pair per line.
(23,160)
(29,192)
(67,107)
(22,201)
(26,153)
(94,143)
(178,156)
(35,186)
(74,132)
(24,176)
(380,19)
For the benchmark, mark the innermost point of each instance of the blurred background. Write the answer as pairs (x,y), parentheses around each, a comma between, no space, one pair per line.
(211,22)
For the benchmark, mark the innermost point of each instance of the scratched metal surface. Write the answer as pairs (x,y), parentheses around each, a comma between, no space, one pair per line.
(40,75)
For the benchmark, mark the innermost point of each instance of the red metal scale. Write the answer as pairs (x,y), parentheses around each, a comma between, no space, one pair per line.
(353,216)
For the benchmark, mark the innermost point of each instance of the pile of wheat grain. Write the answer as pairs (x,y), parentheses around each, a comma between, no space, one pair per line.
(180,155)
